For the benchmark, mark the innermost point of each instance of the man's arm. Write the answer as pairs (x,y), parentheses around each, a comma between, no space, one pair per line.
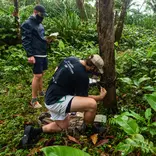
(26,32)
(99,97)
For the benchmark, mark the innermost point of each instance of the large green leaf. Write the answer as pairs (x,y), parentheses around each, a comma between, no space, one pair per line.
(63,151)
(144,79)
(128,125)
(126,80)
(151,98)
(148,114)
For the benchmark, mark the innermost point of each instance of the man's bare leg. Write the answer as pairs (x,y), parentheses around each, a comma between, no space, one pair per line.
(35,84)
(86,105)
(41,85)
(56,126)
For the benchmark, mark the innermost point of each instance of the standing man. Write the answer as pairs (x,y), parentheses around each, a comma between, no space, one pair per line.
(35,44)
(68,92)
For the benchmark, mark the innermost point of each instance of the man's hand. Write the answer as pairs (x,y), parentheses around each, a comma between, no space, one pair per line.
(103,93)
(49,40)
(31,60)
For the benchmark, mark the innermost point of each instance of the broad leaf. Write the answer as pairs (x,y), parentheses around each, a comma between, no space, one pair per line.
(124,148)
(128,125)
(136,116)
(63,151)
(144,79)
(148,114)
(126,80)
(151,98)
(148,88)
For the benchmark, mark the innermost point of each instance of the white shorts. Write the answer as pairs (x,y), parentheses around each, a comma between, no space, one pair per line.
(58,110)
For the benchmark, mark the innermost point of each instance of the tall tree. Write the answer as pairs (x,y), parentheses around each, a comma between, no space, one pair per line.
(106,47)
(152,4)
(37,1)
(80,5)
(15,14)
(120,23)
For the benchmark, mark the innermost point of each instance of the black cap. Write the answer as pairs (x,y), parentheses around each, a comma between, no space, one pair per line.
(41,9)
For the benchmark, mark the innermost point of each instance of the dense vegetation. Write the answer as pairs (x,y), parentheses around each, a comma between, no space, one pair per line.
(132,130)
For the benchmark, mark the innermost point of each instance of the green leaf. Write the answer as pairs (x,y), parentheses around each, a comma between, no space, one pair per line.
(136,116)
(61,45)
(128,125)
(62,151)
(124,148)
(151,99)
(144,79)
(148,114)
(148,88)
(153,124)
(126,80)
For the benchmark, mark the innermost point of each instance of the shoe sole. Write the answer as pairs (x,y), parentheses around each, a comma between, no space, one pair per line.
(34,107)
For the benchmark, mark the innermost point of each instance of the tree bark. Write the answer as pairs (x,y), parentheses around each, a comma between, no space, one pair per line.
(120,24)
(97,11)
(16,15)
(80,5)
(37,1)
(106,47)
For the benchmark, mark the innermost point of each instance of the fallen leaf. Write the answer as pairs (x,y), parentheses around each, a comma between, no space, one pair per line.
(50,142)
(94,138)
(34,151)
(104,154)
(101,142)
(15,115)
(110,137)
(1,121)
(73,139)
(124,95)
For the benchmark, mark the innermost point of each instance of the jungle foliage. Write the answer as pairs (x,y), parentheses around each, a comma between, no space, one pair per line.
(131,131)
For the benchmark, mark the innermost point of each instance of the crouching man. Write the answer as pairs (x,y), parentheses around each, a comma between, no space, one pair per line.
(68,92)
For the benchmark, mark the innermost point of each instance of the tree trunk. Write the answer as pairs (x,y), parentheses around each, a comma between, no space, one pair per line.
(97,11)
(119,28)
(37,1)
(106,47)
(15,14)
(80,5)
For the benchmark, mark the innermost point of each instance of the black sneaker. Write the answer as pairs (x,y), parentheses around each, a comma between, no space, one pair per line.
(92,129)
(26,140)
(98,128)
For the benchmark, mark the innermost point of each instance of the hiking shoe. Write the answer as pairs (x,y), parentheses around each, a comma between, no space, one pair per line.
(92,129)
(35,104)
(26,139)
(98,128)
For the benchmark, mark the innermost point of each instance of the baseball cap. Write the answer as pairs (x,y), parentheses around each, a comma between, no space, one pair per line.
(98,62)
(41,9)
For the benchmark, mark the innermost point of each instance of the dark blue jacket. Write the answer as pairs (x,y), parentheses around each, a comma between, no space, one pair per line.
(33,39)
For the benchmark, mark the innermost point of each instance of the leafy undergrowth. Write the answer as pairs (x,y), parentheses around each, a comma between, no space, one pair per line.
(131,132)
(16,113)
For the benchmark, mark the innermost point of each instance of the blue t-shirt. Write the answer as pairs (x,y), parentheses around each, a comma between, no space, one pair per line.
(71,78)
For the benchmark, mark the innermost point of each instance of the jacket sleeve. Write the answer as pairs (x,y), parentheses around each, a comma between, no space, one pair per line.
(26,32)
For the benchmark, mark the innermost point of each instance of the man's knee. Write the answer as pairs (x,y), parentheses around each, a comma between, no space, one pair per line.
(93,104)
(38,76)
(64,124)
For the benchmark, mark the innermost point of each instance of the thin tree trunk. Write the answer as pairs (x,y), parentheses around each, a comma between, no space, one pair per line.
(120,25)
(80,5)
(97,11)
(106,47)
(37,1)
(15,14)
